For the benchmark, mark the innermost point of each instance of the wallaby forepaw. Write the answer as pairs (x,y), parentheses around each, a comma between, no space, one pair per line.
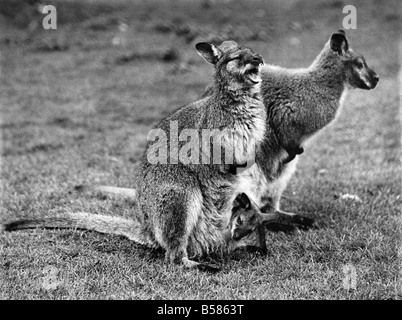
(299,150)
(262,251)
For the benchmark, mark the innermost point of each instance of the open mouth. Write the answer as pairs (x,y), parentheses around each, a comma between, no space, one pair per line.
(253,74)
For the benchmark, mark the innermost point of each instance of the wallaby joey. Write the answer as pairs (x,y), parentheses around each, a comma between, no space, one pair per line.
(184,204)
(247,218)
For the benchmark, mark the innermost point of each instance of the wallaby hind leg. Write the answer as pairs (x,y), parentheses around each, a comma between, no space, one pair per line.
(179,256)
(176,222)
(287,221)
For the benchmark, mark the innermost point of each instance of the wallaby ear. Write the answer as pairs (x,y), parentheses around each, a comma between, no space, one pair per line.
(209,52)
(243,201)
(339,43)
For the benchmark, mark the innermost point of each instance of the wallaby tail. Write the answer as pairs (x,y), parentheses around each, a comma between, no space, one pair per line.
(127,193)
(82,220)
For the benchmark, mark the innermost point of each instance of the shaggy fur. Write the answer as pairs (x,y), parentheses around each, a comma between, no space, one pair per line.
(184,208)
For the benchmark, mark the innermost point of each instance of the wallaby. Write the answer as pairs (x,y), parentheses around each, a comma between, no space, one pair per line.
(185,207)
(299,103)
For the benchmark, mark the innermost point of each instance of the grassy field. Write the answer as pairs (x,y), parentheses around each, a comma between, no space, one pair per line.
(77,104)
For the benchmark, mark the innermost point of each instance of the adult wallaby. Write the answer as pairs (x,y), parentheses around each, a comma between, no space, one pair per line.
(185,206)
(299,103)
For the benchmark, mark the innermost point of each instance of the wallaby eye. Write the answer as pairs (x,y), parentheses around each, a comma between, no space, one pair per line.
(233,58)
(239,221)
(359,65)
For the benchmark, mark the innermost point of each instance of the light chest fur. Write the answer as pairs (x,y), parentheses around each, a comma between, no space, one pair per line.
(248,130)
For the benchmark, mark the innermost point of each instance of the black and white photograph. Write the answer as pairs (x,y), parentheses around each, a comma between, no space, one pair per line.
(203,150)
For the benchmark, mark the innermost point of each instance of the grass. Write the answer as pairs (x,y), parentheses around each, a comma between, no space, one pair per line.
(76,109)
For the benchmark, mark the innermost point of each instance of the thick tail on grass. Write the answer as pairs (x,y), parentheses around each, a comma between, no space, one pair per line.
(127,193)
(84,221)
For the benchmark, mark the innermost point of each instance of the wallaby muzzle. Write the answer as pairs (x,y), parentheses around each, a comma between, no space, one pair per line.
(374,78)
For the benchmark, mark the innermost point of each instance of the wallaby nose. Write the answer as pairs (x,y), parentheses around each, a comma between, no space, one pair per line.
(257,60)
(375,78)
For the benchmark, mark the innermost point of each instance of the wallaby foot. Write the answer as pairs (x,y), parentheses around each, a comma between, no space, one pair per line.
(297,220)
(179,257)
(275,221)
(287,221)
(206,267)
(280,227)
(256,249)
(290,224)
(303,222)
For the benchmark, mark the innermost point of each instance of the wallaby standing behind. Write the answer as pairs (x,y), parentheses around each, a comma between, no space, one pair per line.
(299,103)
(186,207)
